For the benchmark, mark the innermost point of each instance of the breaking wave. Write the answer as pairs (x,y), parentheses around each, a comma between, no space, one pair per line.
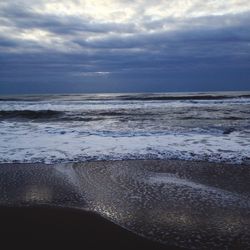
(29,114)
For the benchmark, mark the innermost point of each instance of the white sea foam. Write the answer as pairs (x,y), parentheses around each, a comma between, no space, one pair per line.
(40,142)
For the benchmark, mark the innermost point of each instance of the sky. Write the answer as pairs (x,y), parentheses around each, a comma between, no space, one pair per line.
(60,46)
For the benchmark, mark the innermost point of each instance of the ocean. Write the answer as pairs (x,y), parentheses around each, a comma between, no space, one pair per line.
(60,128)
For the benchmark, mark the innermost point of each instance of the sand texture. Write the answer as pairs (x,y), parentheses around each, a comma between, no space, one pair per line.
(192,205)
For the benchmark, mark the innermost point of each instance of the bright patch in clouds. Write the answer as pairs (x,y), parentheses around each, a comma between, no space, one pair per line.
(113,10)
(107,11)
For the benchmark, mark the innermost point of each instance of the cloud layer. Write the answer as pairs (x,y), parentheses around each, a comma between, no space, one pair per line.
(62,46)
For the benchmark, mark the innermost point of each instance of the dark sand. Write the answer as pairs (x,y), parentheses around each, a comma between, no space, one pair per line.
(128,204)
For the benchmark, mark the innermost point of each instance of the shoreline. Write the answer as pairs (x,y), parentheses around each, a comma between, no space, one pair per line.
(198,205)
(170,161)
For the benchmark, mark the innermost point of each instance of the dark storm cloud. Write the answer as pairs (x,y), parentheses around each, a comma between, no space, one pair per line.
(199,53)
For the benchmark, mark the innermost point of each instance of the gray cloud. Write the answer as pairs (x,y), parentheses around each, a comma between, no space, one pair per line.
(49,52)
(18,17)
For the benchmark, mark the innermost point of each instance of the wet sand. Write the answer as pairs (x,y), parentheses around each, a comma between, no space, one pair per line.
(128,204)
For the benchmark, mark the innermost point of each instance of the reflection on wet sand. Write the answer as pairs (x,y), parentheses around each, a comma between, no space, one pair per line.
(186,204)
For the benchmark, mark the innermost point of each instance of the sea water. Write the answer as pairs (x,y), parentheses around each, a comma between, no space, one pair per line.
(80,127)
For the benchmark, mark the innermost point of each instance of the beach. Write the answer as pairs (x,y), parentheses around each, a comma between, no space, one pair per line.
(127,171)
(125,125)
(154,204)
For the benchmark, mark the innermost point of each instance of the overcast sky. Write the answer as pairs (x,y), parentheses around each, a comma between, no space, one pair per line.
(50,46)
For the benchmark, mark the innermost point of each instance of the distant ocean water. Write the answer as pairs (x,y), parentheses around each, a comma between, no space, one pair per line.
(79,127)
